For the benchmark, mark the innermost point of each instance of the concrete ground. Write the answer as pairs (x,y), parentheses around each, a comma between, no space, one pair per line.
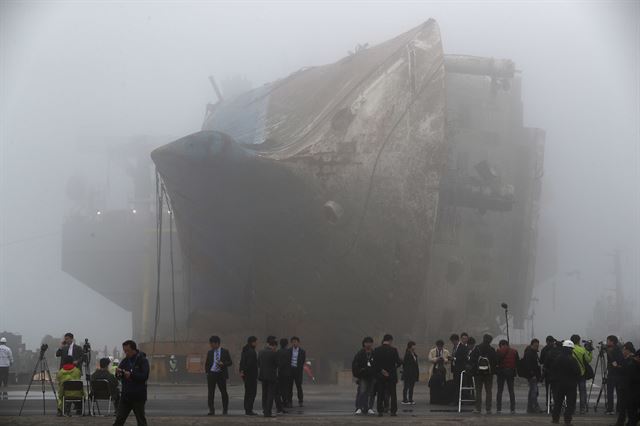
(324,404)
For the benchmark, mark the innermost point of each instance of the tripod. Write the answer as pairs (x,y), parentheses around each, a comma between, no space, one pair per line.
(44,372)
(86,362)
(601,361)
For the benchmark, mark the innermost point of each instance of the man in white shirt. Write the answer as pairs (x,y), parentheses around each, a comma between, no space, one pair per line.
(6,360)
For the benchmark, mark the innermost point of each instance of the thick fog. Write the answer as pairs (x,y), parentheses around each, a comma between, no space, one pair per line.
(79,78)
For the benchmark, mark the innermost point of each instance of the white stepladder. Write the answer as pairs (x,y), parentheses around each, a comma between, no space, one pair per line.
(472,388)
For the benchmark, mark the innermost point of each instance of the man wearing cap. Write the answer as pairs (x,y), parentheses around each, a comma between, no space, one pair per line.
(6,360)
(564,376)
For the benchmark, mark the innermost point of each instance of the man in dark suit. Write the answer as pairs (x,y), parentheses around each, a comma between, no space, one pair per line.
(68,348)
(217,368)
(268,375)
(298,358)
(386,360)
(284,376)
(249,374)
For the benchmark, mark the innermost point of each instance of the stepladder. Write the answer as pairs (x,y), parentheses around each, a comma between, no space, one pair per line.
(461,391)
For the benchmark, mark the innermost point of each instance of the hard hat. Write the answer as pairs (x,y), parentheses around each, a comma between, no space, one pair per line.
(172,356)
(110,358)
(568,344)
(116,361)
(3,340)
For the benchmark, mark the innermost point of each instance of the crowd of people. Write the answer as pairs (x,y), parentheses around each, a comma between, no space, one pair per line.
(465,372)
(563,366)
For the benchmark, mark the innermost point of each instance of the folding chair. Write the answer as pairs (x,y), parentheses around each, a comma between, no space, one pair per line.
(101,391)
(472,388)
(72,386)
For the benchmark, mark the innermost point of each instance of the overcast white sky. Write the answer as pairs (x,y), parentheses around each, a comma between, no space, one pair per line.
(75,75)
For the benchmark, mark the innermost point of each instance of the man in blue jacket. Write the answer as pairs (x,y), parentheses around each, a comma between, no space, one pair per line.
(133,372)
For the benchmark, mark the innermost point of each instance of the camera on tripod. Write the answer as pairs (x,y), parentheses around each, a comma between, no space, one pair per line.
(588,345)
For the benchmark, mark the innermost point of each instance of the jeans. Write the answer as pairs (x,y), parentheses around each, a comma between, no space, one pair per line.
(560,392)
(364,397)
(582,388)
(506,375)
(485,381)
(407,390)
(125,407)
(296,379)
(532,398)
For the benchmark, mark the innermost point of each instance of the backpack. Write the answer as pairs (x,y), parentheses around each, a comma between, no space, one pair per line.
(521,368)
(484,366)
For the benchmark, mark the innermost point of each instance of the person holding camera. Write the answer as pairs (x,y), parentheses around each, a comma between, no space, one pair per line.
(584,356)
(614,373)
(69,348)
(133,373)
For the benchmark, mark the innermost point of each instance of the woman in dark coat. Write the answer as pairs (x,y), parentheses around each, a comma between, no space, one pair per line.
(410,373)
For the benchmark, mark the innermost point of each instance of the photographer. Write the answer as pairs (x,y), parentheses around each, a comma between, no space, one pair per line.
(69,348)
(584,356)
(614,372)
(133,372)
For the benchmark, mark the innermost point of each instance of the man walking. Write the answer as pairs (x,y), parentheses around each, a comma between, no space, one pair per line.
(507,363)
(386,360)
(298,358)
(6,360)
(249,374)
(564,375)
(217,368)
(533,375)
(484,361)
(362,370)
(268,375)
(133,372)
(583,357)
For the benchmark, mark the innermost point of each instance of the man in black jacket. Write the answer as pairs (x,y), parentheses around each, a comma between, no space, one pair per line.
(533,375)
(103,373)
(69,348)
(249,374)
(298,358)
(386,360)
(284,376)
(268,375)
(544,354)
(614,369)
(484,362)
(628,387)
(217,369)
(564,375)
(362,370)
(133,371)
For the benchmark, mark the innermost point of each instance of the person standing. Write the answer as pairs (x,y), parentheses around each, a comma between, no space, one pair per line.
(628,387)
(583,357)
(133,372)
(249,374)
(439,357)
(507,363)
(284,376)
(69,348)
(545,364)
(460,356)
(6,360)
(484,362)
(386,360)
(217,368)
(362,370)
(173,369)
(410,373)
(533,375)
(614,372)
(298,358)
(268,375)
(564,376)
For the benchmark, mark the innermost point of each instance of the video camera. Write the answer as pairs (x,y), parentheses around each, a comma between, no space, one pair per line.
(588,345)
